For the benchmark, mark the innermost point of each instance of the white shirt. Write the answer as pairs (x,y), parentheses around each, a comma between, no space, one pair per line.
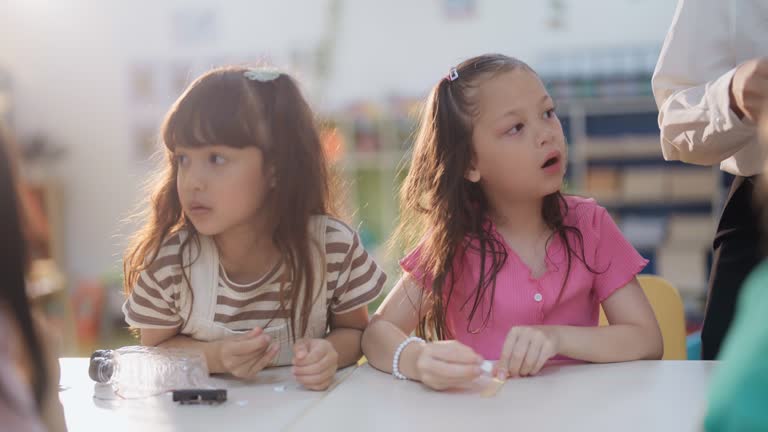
(708,39)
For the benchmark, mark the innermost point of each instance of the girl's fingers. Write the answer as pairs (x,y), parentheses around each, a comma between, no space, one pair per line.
(531,357)
(519,351)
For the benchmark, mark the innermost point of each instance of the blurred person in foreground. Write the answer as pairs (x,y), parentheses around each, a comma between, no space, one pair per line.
(29,372)
(739,392)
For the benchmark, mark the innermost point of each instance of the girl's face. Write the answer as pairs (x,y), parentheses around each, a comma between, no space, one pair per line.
(519,146)
(221,187)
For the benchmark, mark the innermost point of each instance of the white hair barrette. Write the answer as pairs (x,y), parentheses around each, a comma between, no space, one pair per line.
(262,74)
(453,74)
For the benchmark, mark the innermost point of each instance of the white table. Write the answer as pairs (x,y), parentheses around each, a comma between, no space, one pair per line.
(642,396)
(255,406)
(638,396)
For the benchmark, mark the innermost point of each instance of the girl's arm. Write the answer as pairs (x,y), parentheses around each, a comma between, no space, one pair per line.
(395,319)
(171,338)
(315,361)
(346,332)
(439,365)
(243,355)
(633,333)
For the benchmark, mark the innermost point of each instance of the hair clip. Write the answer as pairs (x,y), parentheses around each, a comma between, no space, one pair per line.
(262,74)
(453,75)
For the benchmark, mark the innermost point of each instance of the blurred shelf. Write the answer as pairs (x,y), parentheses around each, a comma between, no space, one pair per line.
(618,105)
(385,160)
(655,208)
(640,161)
(599,150)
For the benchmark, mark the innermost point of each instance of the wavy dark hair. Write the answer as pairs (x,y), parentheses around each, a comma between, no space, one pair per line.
(449,214)
(223,107)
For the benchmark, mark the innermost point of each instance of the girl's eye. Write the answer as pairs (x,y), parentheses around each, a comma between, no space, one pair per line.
(515,129)
(217,159)
(550,113)
(180,159)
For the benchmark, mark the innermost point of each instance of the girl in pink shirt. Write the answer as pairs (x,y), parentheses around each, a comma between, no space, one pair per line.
(506,267)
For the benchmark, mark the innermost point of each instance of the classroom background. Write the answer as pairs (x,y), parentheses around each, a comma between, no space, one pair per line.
(84,86)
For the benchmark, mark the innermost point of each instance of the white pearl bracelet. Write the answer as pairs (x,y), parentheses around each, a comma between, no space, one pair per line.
(396,358)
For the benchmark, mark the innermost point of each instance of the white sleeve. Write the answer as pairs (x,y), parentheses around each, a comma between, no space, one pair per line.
(691,85)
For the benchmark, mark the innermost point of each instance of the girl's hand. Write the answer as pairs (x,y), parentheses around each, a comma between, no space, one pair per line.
(526,350)
(244,356)
(447,364)
(314,363)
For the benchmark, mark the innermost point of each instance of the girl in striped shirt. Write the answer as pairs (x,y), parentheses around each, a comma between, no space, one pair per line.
(240,256)
(507,268)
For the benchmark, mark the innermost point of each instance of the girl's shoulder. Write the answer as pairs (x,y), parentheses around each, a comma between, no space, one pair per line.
(339,236)
(169,255)
(333,224)
(584,213)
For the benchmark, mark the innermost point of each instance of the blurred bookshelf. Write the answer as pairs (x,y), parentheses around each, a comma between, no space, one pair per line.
(667,210)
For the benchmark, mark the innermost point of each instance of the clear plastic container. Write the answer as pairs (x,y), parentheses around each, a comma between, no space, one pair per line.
(139,371)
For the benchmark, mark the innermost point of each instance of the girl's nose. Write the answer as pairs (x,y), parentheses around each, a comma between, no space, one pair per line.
(194,179)
(546,137)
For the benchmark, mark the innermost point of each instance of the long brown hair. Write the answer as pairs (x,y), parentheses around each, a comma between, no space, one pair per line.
(14,262)
(448,213)
(223,107)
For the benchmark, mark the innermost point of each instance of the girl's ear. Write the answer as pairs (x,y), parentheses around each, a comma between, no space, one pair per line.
(472,174)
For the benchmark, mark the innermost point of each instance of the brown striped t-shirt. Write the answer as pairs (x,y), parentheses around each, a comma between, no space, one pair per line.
(353,279)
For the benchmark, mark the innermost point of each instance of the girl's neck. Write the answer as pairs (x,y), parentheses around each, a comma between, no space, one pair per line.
(524,230)
(247,251)
(520,222)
